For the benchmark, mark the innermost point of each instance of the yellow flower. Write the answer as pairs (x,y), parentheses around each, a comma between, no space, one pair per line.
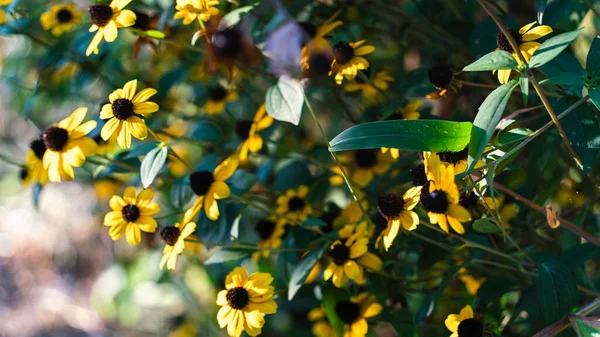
(398,211)
(508,209)
(122,113)
(524,38)
(373,96)
(248,131)
(471,283)
(365,165)
(244,301)
(106,20)
(361,230)
(34,166)
(131,214)
(174,238)
(394,153)
(210,187)
(67,146)
(218,97)
(106,146)
(106,188)
(190,10)
(61,19)
(441,77)
(293,205)
(354,313)
(442,200)
(270,233)
(349,259)
(348,61)
(66,71)
(186,329)
(411,111)
(321,326)
(464,323)
(2,13)
(317,43)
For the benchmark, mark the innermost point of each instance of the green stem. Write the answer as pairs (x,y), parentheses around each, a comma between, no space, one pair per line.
(247,247)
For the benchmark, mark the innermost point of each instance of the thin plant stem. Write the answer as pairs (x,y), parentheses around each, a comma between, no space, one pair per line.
(561,325)
(171,150)
(492,86)
(247,247)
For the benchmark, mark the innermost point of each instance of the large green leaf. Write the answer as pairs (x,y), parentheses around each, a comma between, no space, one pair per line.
(585,326)
(487,119)
(551,48)
(284,100)
(593,58)
(556,290)
(412,135)
(583,129)
(303,269)
(495,60)
(152,164)
(486,226)
(595,97)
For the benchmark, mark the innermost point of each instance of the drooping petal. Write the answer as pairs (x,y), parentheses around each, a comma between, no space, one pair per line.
(74,120)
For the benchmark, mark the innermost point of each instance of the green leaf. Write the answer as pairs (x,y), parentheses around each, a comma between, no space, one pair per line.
(413,135)
(233,17)
(524,84)
(314,222)
(593,58)
(331,296)
(556,290)
(585,326)
(583,129)
(141,150)
(301,272)
(220,255)
(207,132)
(486,226)
(284,100)
(152,164)
(486,121)
(495,60)
(552,47)
(595,97)
(155,34)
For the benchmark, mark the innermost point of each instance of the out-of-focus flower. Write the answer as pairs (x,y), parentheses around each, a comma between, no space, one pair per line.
(60,18)
(244,301)
(471,282)
(365,164)
(349,259)
(248,132)
(371,91)
(441,77)
(121,114)
(34,166)
(106,20)
(190,10)
(67,145)
(218,97)
(317,45)
(398,211)
(321,326)
(464,323)
(354,313)
(174,238)
(348,61)
(2,13)
(293,206)
(130,215)
(270,232)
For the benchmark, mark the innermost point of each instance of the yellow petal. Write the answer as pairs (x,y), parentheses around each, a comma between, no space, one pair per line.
(129,89)
(137,126)
(536,33)
(143,95)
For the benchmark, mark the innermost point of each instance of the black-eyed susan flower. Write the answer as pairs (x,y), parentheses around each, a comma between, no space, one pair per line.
(441,77)
(248,132)
(293,205)
(105,146)
(210,187)
(348,60)
(60,18)
(218,97)
(67,146)
(174,238)
(2,13)
(354,313)
(365,164)
(131,215)
(106,20)
(361,230)
(229,47)
(370,91)
(464,324)
(34,166)
(398,211)
(270,232)
(122,114)
(244,301)
(321,326)
(317,43)
(106,188)
(190,10)
(349,260)
(525,38)
(457,159)
(442,201)
(471,282)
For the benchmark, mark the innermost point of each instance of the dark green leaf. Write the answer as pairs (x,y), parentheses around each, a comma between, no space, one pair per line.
(524,83)
(331,296)
(576,256)
(551,48)
(556,290)
(583,129)
(486,121)
(303,269)
(207,132)
(495,60)
(314,222)
(413,135)
(486,226)
(595,97)
(593,58)
(220,255)
(152,164)
(284,100)
(291,173)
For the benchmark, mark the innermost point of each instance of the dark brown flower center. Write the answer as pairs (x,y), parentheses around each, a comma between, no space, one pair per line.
(343,52)
(470,327)
(390,205)
(122,108)
(227,43)
(440,76)
(339,254)
(502,41)
(38,148)
(296,204)
(242,129)
(308,28)
(419,177)
(142,21)
(100,14)
(201,181)
(265,229)
(99,140)
(329,217)
(320,63)
(64,16)
(468,200)
(454,157)
(130,213)
(238,298)
(365,158)
(23,173)
(435,202)
(217,93)
(170,235)
(55,138)
(348,311)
